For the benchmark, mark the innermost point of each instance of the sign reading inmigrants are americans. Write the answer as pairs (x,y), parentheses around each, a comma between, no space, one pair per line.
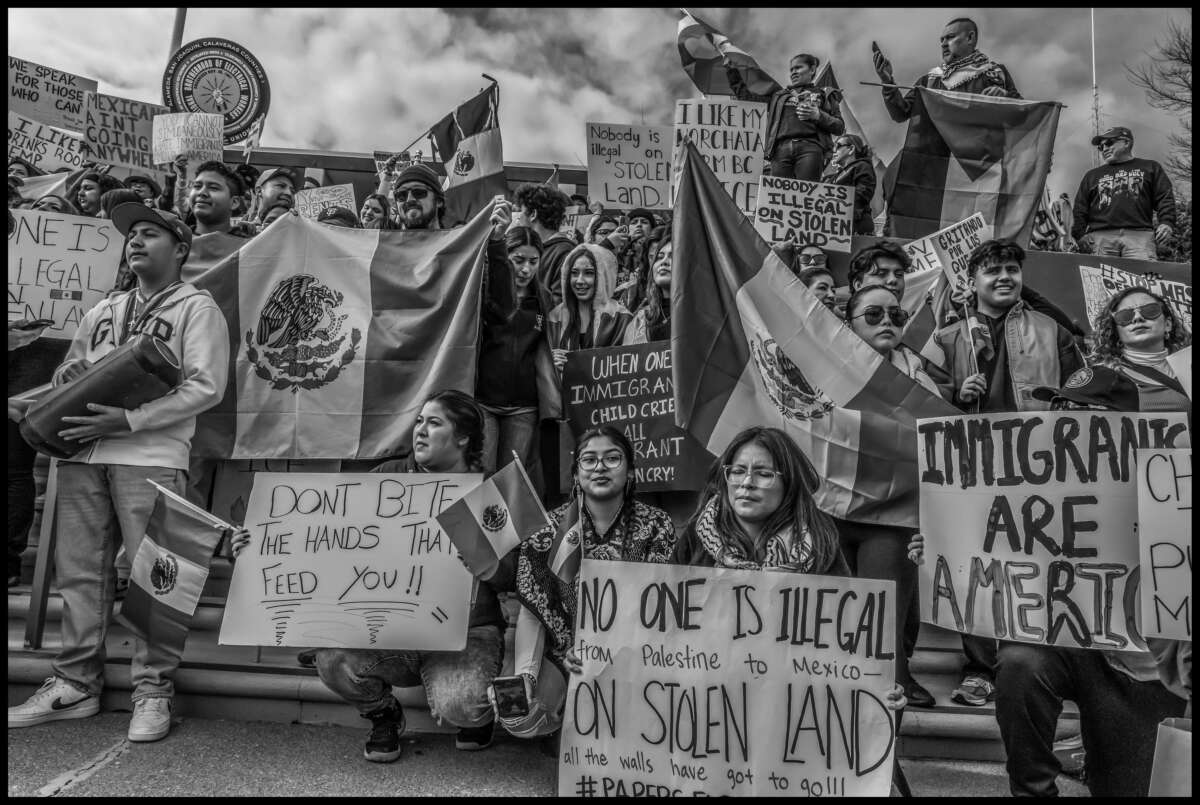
(719,682)
(351,560)
(1030,523)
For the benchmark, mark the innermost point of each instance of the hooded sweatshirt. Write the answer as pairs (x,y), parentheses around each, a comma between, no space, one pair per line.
(160,431)
(609,317)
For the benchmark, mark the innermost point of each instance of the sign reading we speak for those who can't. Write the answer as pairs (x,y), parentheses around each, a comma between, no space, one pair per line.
(354,560)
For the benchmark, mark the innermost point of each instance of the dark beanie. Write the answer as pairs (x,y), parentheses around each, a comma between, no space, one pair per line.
(640,212)
(420,172)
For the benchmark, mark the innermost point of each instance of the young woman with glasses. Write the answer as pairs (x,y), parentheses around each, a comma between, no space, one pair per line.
(1134,334)
(851,166)
(610,525)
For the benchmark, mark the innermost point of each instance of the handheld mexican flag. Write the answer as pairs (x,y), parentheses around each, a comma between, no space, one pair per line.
(751,345)
(170,568)
(566,551)
(493,518)
(468,144)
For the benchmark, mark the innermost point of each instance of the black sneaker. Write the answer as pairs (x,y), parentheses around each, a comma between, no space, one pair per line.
(917,696)
(307,658)
(472,739)
(387,725)
(1071,755)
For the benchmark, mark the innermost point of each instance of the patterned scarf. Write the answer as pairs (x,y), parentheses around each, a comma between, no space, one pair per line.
(971,66)
(783,550)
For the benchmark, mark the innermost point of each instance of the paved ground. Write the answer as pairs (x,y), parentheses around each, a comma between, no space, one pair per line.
(202,757)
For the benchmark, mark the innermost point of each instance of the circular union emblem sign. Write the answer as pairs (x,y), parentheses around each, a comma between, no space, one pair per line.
(218,76)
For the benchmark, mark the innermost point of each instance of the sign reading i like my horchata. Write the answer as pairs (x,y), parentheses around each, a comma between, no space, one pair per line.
(728,135)
(804,212)
(629,166)
(1030,523)
(1165,536)
(351,561)
(719,682)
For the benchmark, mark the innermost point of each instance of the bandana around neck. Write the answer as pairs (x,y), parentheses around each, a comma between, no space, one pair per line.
(783,550)
(960,71)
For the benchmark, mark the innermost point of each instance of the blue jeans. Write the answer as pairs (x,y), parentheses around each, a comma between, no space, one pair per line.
(455,682)
(1135,243)
(513,432)
(99,507)
(798,159)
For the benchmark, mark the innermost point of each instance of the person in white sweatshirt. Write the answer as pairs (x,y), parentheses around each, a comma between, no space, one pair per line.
(104,498)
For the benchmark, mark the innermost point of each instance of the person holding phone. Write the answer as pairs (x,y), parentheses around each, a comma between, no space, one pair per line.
(612,525)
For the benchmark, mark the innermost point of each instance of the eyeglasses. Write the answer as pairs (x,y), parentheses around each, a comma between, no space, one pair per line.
(610,461)
(416,192)
(874,314)
(736,475)
(1150,311)
(1100,146)
(813,259)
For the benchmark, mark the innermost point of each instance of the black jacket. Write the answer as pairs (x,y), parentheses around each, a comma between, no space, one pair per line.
(860,175)
(511,335)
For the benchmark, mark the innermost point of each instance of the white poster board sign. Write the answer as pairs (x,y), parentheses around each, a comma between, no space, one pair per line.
(1030,523)
(728,135)
(1100,283)
(46,94)
(1165,541)
(629,166)
(42,146)
(715,682)
(351,560)
(310,202)
(199,136)
(804,212)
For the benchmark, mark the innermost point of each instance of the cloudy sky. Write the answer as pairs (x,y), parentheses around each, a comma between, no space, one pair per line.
(358,80)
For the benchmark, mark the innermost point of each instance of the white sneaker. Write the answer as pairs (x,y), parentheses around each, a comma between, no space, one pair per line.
(151,719)
(55,700)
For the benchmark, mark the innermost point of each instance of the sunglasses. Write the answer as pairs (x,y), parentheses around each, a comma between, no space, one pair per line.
(1106,143)
(416,192)
(813,259)
(1150,311)
(874,314)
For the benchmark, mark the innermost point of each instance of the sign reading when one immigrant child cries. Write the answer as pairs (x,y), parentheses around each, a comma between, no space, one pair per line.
(59,267)
(728,134)
(717,682)
(120,131)
(47,95)
(352,561)
(42,146)
(1029,522)
(311,201)
(804,212)
(1165,539)
(629,166)
(630,388)
(195,135)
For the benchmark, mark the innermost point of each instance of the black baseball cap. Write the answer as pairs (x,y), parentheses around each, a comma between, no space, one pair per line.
(1115,133)
(124,216)
(338,215)
(1098,386)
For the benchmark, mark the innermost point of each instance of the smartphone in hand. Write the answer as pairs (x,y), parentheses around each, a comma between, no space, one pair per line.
(511,701)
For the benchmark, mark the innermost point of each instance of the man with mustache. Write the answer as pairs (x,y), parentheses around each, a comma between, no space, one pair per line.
(419,197)
(963,69)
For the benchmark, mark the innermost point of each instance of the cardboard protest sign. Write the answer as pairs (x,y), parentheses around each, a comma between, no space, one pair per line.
(631,389)
(1029,522)
(629,166)
(59,267)
(728,134)
(1100,283)
(924,256)
(1181,364)
(575,218)
(352,560)
(50,96)
(310,202)
(800,211)
(709,682)
(120,131)
(199,136)
(42,146)
(954,244)
(1164,483)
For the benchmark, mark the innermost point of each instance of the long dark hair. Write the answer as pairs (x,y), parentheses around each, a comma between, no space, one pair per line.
(628,504)
(386,205)
(797,509)
(1108,348)
(466,417)
(658,309)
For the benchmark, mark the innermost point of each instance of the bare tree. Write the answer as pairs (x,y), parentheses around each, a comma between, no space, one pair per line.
(1167,81)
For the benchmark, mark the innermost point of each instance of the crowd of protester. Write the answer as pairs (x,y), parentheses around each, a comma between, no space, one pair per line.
(550,292)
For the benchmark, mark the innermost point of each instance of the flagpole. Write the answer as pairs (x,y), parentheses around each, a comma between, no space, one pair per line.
(177,33)
(1095,90)
(525,475)
(214,521)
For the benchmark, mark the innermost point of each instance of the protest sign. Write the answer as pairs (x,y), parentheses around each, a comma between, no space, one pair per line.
(629,166)
(47,95)
(804,212)
(631,389)
(709,682)
(352,560)
(1029,523)
(42,146)
(120,131)
(1164,480)
(1181,364)
(59,267)
(1100,283)
(575,218)
(954,244)
(924,256)
(199,136)
(310,202)
(728,135)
